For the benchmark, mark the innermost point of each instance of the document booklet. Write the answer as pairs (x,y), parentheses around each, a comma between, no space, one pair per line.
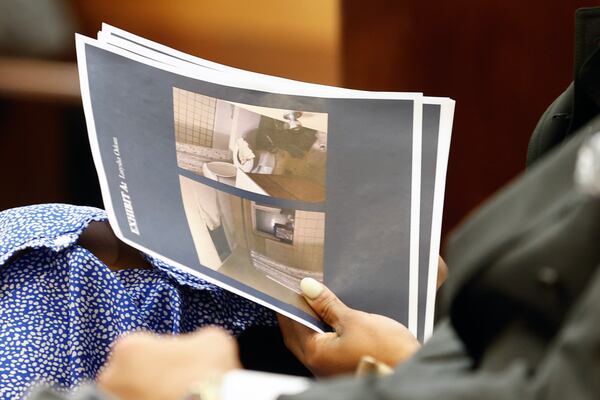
(253,182)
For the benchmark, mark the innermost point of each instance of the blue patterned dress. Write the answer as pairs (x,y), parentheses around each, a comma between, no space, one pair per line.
(61,307)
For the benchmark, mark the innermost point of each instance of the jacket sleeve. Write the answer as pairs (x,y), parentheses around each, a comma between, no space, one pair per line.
(442,370)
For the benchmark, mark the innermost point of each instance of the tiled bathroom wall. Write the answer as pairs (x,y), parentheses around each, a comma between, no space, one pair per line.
(194,117)
(309,239)
(306,252)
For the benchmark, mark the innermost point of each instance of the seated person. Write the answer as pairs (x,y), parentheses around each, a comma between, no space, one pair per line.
(523,323)
(521,311)
(523,303)
(69,288)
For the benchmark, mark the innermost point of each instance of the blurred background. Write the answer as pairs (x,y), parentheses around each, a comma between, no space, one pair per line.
(503,61)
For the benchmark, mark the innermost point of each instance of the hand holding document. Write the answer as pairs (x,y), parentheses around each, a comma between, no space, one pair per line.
(253,182)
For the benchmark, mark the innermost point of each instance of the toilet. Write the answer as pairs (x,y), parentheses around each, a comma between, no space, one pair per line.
(220,171)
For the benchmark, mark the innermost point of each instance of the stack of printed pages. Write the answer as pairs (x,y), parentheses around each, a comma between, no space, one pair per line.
(253,182)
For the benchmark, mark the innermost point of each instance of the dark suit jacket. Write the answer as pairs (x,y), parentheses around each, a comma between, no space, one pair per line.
(523,297)
(523,300)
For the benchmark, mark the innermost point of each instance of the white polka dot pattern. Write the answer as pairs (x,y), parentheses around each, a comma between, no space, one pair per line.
(61,307)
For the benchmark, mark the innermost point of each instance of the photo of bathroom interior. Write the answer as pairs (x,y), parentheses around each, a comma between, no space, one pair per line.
(262,246)
(270,151)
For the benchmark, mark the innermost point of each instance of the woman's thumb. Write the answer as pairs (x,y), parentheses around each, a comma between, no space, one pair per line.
(323,301)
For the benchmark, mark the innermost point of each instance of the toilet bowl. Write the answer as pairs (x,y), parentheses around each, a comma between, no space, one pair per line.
(220,171)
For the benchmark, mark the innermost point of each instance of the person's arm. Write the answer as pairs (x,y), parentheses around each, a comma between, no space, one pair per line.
(153,367)
(442,370)
(146,366)
(162,367)
(158,367)
(356,333)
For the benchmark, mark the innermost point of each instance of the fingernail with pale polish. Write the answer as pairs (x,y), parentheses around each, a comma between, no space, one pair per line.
(311,288)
